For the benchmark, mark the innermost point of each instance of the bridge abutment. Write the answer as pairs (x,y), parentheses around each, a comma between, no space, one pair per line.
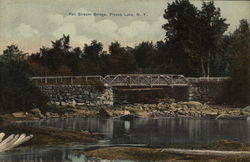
(206,91)
(78,94)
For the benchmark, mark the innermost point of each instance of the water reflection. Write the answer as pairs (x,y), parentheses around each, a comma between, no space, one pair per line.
(138,131)
(40,155)
(157,131)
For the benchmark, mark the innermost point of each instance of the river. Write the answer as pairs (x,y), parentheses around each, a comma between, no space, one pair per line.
(135,132)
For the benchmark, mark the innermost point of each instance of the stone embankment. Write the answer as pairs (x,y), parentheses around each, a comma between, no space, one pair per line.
(163,109)
(77,95)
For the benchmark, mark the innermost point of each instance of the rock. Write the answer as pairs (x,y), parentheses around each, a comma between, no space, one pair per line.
(80,104)
(79,111)
(126,112)
(73,103)
(63,103)
(105,113)
(173,105)
(211,114)
(66,115)
(191,104)
(48,114)
(19,114)
(142,114)
(247,109)
(160,105)
(228,116)
(56,115)
(35,111)
(245,113)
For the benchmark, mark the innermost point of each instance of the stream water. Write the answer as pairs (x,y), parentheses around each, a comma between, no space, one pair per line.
(135,132)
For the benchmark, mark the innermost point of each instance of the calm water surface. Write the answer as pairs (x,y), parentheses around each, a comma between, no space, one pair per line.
(136,132)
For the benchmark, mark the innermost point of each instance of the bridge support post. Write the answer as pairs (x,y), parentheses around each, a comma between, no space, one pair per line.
(191,91)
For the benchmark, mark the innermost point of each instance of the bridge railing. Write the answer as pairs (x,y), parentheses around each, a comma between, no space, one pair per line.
(66,79)
(200,79)
(149,80)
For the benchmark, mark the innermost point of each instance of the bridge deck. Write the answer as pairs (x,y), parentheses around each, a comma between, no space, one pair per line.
(120,80)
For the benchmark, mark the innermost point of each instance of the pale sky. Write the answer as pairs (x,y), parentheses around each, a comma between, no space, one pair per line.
(31,24)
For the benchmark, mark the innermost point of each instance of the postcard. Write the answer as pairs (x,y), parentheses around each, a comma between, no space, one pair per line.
(133,80)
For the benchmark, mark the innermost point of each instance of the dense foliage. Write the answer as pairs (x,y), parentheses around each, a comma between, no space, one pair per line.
(239,88)
(17,91)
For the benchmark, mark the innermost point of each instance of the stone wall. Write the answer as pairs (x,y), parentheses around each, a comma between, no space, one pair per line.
(206,91)
(78,95)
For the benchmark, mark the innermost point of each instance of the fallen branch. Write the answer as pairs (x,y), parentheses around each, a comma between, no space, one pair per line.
(12,141)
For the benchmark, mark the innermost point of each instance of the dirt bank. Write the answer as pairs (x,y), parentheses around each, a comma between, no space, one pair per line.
(162,154)
(49,136)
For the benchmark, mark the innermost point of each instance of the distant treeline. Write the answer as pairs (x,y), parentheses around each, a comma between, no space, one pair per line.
(195,45)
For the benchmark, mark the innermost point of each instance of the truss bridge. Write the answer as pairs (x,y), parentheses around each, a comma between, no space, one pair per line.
(145,80)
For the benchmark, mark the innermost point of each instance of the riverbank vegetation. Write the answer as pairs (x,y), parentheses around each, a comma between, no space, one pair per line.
(195,45)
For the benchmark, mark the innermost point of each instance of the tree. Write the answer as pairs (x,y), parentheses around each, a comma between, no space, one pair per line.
(89,65)
(164,60)
(240,63)
(144,55)
(17,91)
(220,64)
(119,60)
(93,50)
(211,27)
(12,55)
(193,35)
(182,18)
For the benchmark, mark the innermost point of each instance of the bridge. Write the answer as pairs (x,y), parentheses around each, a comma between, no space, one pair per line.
(126,80)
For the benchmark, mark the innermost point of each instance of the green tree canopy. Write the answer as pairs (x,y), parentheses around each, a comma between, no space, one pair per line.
(193,35)
(119,60)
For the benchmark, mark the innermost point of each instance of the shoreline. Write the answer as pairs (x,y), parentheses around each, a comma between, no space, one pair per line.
(220,151)
(45,136)
(191,109)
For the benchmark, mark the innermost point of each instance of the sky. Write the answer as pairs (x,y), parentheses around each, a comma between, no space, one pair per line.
(31,24)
